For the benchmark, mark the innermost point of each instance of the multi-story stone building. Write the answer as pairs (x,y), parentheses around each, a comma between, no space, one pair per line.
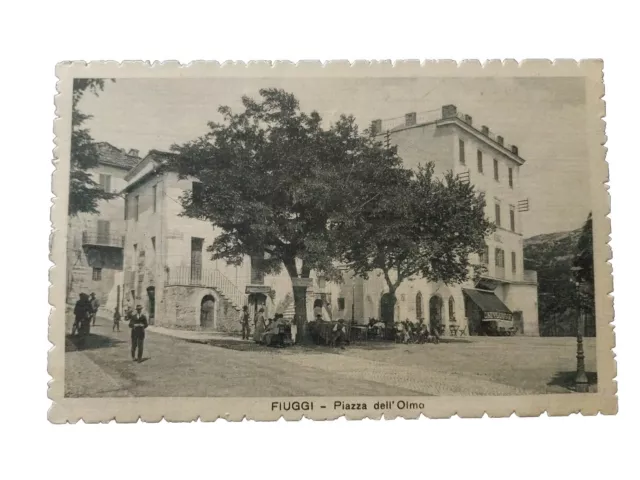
(95,241)
(506,294)
(168,269)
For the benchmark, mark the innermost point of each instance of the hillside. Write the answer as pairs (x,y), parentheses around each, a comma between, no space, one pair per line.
(551,255)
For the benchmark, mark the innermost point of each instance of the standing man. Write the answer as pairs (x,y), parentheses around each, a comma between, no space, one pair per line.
(95,304)
(137,323)
(244,321)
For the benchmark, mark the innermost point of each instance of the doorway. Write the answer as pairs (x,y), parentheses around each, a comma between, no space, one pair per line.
(257,301)
(518,321)
(207,311)
(387,304)
(151,302)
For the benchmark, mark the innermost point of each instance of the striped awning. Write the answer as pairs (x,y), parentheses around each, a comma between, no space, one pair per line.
(491,306)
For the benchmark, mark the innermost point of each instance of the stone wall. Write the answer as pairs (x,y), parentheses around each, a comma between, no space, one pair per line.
(181,308)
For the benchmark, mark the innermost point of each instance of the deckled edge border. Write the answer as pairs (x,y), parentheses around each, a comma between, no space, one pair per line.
(148,409)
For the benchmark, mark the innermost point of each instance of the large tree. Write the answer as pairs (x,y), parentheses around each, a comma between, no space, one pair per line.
(84,192)
(274,181)
(423,226)
(583,267)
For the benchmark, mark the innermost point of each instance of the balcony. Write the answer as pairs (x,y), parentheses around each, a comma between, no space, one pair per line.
(207,278)
(95,238)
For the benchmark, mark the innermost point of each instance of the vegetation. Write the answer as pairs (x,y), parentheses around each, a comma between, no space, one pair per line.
(84,192)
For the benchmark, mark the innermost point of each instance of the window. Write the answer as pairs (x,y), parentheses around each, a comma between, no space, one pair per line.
(97,274)
(496,173)
(105,182)
(419,313)
(497,210)
(196,258)
(153,244)
(484,255)
(461,148)
(155,197)
(452,309)
(512,218)
(341,303)
(136,208)
(514,269)
(126,207)
(480,166)
(510,177)
(104,227)
(499,258)
(135,255)
(196,192)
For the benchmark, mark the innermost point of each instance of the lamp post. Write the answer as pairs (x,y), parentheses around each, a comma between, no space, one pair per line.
(582,382)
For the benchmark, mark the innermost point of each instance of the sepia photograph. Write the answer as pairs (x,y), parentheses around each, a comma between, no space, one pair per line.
(377,240)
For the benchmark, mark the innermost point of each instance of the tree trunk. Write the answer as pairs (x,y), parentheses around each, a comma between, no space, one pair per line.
(300,306)
(299,298)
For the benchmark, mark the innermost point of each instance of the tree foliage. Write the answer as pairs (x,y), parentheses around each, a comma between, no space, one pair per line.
(583,266)
(422,226)
(84,192)
(275,181)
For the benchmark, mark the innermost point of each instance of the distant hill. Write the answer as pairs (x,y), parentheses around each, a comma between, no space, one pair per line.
(551,255)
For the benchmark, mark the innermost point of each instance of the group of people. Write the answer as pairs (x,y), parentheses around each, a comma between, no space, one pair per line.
(271,332)
(332,333)
(408,332)
(85,312)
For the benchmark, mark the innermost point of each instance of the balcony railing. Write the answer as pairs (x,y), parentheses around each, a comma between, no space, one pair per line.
(102,239)
(209,278)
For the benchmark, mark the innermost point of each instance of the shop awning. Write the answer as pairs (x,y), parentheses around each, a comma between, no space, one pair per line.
(491,306)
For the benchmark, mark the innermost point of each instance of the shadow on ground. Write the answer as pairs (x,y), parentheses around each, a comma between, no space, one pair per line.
(90,342)
(568,380)
(311,348)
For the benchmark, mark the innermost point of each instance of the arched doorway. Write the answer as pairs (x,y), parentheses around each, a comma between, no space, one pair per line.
(419,312)
(317,308)
(207,311)
(435,312)
(387,303)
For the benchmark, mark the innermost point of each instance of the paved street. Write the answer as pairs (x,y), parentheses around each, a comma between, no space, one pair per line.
(228,367)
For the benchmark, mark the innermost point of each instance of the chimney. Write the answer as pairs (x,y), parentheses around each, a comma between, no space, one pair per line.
(485,130)
(500,140)
(410,119)
(133,152)
(449,111)
(514,149)
(376,127)
(468,119)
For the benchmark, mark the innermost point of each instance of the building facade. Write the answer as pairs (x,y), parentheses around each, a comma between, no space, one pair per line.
(506,295)
(95,242)
(165,265)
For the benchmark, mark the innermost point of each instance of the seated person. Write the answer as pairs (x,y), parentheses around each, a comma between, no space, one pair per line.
(338,334)
(271,335)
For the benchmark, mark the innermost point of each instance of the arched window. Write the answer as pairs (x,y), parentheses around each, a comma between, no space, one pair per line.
(452,310)
(419,313)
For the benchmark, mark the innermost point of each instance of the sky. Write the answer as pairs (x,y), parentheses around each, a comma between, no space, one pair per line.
(545,117)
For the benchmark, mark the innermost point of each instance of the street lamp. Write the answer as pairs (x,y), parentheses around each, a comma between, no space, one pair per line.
(582,382)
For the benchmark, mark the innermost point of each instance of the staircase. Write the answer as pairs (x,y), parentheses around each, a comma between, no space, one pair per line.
(208,278)
(287,307)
